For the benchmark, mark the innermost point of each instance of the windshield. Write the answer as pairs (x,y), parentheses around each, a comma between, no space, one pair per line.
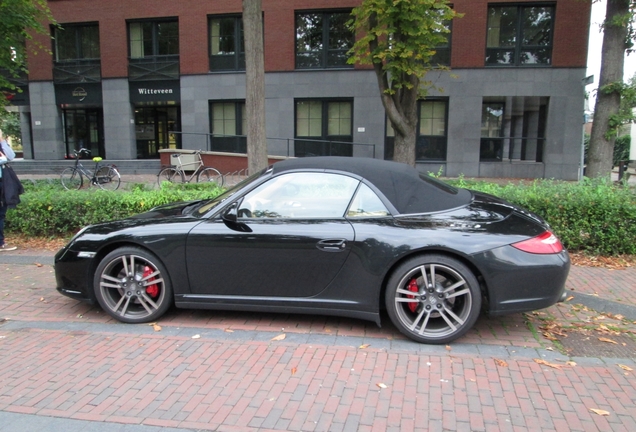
(205,206)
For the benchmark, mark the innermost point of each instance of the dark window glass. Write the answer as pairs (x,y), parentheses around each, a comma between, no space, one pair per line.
(227,50)
(432,131)
(322,39)
(324,127)
(77,42)
(228,126)
(153,38)
(519,35)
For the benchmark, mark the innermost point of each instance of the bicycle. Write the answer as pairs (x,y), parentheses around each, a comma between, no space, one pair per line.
(105,176)
(177,174)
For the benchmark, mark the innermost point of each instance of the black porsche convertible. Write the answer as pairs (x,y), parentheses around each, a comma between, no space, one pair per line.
(325,235)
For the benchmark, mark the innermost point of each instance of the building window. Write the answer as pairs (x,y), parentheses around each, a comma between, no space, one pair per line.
(442,55)
(324,127)
(520,35)
(76,42)
(432,132)
(154,50)
(322,40)
(227,49)
(77,57)
(513,128)
(153,38)
(228,126)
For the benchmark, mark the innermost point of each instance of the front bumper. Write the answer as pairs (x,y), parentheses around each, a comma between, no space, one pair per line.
(73,275)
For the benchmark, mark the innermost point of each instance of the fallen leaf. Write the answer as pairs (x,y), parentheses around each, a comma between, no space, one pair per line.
(280,337)
(627,368)
(382,385)
(552,365)
(448,348)
(37,264)
(156,327)
(364,346)
(227,330)
(293,371)
(501,363)
(600,411)
(602,339)
(569,298)
(196,336)
(570,363)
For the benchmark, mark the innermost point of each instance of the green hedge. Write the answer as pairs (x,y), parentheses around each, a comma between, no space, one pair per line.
(48,210)
(593,216)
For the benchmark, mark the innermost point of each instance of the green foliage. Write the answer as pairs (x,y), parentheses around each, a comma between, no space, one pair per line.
(48,210)
(621,148)
(593,216)
(21,19)
(401,36)
(625,114)
(10,126)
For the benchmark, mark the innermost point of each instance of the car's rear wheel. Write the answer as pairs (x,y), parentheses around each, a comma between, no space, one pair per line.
(433,298)
(133,286)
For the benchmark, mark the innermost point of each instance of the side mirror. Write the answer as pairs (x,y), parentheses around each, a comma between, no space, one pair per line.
(230,218)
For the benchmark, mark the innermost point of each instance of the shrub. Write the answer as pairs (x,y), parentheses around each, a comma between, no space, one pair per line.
(592,216)
(49,210)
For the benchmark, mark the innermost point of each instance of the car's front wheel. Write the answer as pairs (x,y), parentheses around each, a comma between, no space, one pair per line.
(433,298)
(133,286)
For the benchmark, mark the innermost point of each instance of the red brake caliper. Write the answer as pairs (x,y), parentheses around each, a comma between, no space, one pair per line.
(412,287)
(152,290)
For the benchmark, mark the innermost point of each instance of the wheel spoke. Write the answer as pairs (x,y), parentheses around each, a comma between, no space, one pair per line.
(455,285)
(108,285)
(424,324)
(405,292)
(406,300)
(123,312)
(458,293)
(449,322)
(417,319)
(424,276)
(455,317)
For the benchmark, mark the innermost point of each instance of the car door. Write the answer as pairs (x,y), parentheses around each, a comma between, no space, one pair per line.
(290,239)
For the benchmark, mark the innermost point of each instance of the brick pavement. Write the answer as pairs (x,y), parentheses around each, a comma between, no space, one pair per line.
(66,360)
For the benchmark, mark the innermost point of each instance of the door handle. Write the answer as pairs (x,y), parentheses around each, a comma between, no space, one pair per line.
(332,245)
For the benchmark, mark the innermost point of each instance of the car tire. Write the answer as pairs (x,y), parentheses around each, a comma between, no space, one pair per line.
(132,285)
(433,298)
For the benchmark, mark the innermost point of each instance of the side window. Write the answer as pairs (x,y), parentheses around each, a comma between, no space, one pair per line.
(300,196)
(366,204)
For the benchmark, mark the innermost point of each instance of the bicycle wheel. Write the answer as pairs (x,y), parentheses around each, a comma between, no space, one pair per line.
(210,175)
(71,179)
(171,175)
(107,178)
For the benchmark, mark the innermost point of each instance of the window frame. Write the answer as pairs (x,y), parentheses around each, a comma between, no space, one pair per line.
(519,47)
(420,138)
(325,49)
(240,137)
(238,56)
(331,144)
(78,29)
(155,37)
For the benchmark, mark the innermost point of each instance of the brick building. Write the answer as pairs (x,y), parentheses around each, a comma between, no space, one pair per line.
(129,78)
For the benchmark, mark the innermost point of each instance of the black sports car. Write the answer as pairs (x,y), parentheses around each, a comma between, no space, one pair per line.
(325,235)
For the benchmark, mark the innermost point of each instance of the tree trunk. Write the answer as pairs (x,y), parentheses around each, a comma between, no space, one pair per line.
(601,151)
(254,85)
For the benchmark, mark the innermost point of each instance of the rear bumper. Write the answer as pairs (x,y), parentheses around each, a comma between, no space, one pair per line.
(517,281)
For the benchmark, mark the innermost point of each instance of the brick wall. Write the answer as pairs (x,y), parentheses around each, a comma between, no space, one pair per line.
(468,39)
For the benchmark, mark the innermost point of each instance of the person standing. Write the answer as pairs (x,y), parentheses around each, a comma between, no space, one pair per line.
(6,155)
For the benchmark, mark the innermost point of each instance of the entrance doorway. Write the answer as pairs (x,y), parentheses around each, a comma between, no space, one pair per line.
(154,129)
(83,128)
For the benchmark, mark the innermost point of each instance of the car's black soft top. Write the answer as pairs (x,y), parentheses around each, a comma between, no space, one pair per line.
(408,191)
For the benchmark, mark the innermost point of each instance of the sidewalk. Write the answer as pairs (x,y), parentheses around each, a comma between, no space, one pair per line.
(68,366)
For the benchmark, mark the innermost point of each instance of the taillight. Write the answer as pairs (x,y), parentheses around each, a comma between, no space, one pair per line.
(546,243)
